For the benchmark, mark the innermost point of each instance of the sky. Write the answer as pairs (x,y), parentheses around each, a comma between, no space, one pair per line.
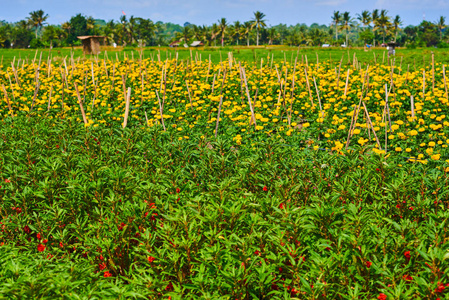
(206,12)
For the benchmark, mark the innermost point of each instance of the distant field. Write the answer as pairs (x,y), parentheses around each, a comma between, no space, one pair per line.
(411,57)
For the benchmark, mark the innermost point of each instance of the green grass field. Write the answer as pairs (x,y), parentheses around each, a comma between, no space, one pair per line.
(411,57)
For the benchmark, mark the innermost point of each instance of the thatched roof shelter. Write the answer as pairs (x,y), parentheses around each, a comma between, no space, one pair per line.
(91,43)
(196,44)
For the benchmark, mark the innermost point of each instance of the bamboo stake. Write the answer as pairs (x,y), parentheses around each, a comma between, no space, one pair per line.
(249,98)
(433,73)
(36,90)
(62,94)
(412,104)
(80,104)
(445,84)
(146,118)
(423,84)
(7,100)
(386,112)
(289,113)
(347,80)
(161,110)
(218,115)
(92,68)
(12,89)
(128,98)
(213,83)
(208,70)
(355,116)
(372,127)
(15,74)
(318,95)
(338,77)
(49,98)
(190,98)
(308,86)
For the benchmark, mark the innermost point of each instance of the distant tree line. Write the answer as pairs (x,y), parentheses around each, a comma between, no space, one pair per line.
(373,28)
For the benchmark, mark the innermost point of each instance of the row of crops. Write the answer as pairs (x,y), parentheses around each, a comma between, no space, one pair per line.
(330,105)
(186,179)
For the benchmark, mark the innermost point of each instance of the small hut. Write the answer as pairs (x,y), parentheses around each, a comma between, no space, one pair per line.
(196,44)
(391,46)
(91,43)
(175,44)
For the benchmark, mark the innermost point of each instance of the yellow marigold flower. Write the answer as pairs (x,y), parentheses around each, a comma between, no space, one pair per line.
(436,157)
(362,141)
(398,149)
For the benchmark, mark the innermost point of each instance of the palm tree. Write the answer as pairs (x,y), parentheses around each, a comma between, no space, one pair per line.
(272,35)
(37,19)
(204,34)
(375,18)
(237,30)
(123,21)
(130,28)
(364,18)
(67,26)
(396,23)
(336,18)
(441,25)
(384,23)
(346,24)
(110,31)
(222,27)
(185,33)
(214,31)
(248,27)
(258,22)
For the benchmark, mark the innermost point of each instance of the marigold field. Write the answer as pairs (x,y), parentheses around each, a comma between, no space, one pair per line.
(155,178)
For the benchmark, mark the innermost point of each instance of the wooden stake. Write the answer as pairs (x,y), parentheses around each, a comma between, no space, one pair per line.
(49,98)
(347,80)
(146,118)
(249,98)
(190,98)
(372,127)
(445,84)
(36,90)
(7,100)
(218,115)
(308,86)
(128,99)
(355,114)
(338,77)
(80,104)
(318,95)
(161,110)
(433,73)
(423,84)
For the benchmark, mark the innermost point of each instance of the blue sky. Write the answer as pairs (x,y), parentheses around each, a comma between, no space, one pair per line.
(206,12)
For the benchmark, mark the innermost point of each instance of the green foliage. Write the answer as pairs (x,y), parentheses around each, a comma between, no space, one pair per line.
(202,218)
(78,25)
